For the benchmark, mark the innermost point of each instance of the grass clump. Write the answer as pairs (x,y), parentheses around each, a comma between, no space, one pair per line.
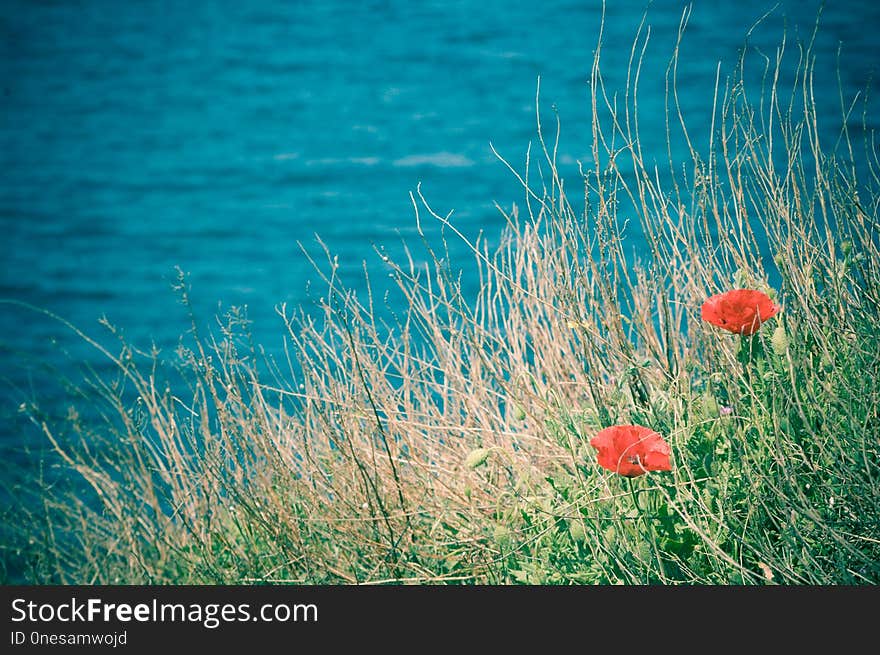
(450,442)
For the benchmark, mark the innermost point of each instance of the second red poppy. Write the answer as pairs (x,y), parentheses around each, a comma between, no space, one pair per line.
(741,311)
(631,450)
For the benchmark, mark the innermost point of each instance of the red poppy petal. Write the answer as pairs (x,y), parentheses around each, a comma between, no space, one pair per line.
(631,450)
(657,461)
(739,310)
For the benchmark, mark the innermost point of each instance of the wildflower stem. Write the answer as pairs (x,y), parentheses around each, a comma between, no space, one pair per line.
(744,353)
(649,527)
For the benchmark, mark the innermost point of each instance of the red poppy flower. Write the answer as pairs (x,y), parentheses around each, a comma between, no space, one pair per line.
(631,450)
(740,311)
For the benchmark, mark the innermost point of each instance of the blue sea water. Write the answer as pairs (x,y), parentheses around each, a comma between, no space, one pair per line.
(217,136)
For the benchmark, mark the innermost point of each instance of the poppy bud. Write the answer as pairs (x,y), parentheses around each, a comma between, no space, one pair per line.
(576,530)
(501,534)
(779,340)
(846,248)
(477,457)
(710,405)
(519,413)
